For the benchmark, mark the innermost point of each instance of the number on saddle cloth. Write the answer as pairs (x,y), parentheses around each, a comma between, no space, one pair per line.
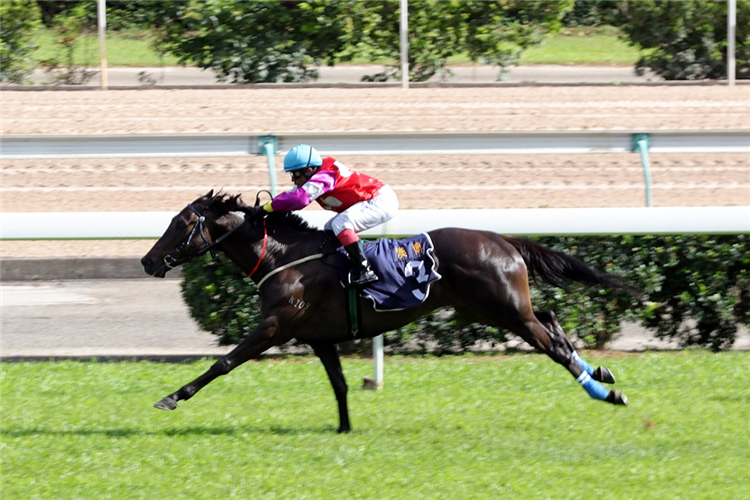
(405,269)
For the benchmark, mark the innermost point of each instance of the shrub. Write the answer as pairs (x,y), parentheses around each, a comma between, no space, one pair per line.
(121,14)
(69,27)
(703,291)
(697,290)
(591,13)
(20,19)
(221,299)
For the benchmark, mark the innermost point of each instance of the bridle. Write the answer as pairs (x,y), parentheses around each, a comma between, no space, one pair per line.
(171,260)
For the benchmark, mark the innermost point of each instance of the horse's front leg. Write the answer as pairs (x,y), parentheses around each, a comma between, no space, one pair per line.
(263,338)
(329,355)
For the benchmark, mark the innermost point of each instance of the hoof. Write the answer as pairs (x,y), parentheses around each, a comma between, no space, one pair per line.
(617,398)
(167,404)
(602,374)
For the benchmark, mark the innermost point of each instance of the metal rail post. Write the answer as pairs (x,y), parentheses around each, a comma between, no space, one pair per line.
(269,145)
(641,144)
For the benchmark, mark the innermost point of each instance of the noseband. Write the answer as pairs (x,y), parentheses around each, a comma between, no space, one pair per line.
(172,261)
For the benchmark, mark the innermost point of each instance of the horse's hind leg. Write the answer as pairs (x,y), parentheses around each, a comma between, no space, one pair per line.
(495,291)
(549,339)
(559,348)
(549,320)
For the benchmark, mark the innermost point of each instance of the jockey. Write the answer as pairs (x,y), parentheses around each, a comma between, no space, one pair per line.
(361,201)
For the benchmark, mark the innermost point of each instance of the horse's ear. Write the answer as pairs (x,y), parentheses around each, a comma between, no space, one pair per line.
(210,194)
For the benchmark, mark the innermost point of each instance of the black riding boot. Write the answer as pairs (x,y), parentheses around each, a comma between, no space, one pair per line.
(361,273)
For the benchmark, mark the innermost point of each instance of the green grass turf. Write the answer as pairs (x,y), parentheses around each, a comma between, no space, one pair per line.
(122,50)
(582,47)
(451,428)
(590,46)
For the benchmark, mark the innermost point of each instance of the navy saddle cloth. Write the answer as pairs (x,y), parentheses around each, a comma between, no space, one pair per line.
(405,267)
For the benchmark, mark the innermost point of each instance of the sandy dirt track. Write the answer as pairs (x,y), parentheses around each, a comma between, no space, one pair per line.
(429,182)
(363,110)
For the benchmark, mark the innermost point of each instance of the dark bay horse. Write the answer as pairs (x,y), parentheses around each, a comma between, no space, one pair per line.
(485,277)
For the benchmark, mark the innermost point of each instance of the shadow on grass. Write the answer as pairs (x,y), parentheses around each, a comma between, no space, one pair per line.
(187,431)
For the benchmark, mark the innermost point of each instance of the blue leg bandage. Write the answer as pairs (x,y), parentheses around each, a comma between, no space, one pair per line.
(583,364)
(594,388)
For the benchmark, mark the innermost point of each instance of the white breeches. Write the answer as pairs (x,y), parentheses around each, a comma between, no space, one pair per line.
(366,214)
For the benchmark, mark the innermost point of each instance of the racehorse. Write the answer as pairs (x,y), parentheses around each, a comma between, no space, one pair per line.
(485,278)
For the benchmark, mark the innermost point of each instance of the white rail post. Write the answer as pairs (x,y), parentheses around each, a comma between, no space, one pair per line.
(404,36)
(101,14)
(377,348)
(731,39)
(376,382)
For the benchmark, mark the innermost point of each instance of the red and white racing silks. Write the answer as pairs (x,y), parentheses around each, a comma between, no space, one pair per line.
(334,186)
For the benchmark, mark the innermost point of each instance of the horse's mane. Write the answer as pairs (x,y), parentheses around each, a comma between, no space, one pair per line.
(225,203)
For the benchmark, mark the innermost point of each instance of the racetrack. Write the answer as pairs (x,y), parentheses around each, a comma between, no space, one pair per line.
(477,181)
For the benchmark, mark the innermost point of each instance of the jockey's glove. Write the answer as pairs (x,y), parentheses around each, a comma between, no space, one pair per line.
(255,212)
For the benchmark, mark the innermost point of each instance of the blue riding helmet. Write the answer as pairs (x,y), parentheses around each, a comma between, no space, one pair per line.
(302,156)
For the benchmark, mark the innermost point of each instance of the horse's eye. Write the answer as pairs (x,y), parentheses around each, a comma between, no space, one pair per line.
(181,225)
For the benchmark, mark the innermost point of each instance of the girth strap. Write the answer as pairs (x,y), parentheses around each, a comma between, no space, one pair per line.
(354,312)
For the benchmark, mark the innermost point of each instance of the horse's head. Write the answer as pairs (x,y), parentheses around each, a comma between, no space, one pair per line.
(194,231)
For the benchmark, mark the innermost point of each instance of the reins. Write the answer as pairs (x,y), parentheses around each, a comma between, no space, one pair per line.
(198,228)
(280,268)
(210,247)
(262,251)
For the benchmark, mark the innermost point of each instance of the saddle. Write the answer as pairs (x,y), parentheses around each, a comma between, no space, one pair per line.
(406,269)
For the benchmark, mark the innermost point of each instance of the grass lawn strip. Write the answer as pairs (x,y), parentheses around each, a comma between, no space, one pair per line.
(450,428)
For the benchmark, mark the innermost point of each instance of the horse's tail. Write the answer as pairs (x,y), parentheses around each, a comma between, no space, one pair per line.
(560,269)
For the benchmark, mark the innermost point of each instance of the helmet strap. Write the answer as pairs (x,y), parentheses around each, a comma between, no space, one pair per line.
(314,169)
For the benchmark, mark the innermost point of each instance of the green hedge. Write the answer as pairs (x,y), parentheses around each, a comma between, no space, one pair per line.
(697,291)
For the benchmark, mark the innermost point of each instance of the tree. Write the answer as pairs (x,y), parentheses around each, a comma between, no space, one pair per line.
(498,32)
(490,32)
(592,13)
(20,19)
(284,41)
(687,39)
(254,42)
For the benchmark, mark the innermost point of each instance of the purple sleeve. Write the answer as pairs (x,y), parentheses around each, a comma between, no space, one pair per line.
(291,200)
(299,198)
